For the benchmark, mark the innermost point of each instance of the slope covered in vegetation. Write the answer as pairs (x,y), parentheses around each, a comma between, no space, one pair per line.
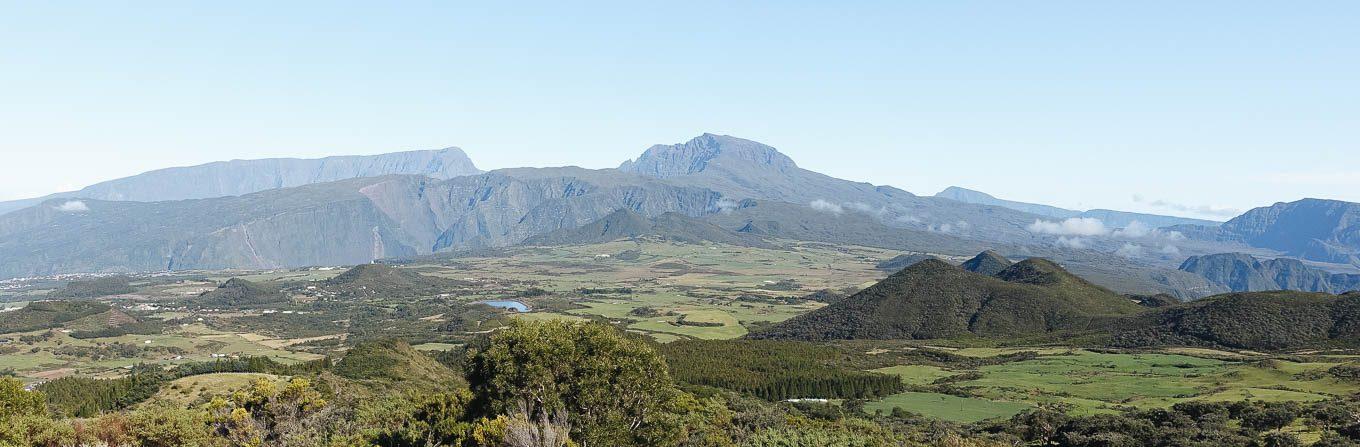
(932,299)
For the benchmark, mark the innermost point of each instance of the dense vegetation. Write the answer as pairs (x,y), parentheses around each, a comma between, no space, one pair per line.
(585,384)
(238,293)
(381,280)
(84,397)
(775,370)
(932,299)
(1258,320)
(47,314)
(94,288)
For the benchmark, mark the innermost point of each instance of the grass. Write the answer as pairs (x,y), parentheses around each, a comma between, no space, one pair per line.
(947,407)
(1090,382)
(917,374)
(186,391)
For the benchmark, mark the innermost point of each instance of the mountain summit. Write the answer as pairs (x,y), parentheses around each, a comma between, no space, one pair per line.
(705,151)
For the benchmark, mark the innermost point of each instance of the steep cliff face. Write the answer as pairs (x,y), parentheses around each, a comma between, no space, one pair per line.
(239,177)
(708,151)
(347,222)
(505,207)
(1315,229)
(316,224)
(1244,273)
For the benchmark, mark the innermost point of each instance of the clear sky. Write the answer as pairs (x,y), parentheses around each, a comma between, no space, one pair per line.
(1178,107)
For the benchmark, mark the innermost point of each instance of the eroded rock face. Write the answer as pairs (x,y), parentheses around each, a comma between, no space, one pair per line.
(694,156)
(1315,229)
(1244,273)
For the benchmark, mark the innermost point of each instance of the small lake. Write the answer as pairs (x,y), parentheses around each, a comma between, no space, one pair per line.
(507,305)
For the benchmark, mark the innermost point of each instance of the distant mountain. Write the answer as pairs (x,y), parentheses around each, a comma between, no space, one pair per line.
(987,263)
(625,223)
(240,177)
(742,169)
(933,299)
(739,185)
(1244,273)
(1313,229)
(1256,320)
(1111,218)
(347,222)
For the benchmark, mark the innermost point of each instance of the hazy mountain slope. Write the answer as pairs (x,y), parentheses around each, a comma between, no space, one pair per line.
(506,207)
(1112,218)
(316,224)
(970,196)
(933,299)
(239,177)
(1315,229)
(794,221)
(1244,273)
(625,223)
(743,169)
(1258,320)
(347,222)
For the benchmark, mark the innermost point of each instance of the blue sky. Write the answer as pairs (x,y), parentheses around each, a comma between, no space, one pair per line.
(1191,108)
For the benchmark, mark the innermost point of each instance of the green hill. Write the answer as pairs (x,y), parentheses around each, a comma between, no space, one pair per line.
(237,292)
(94,288)
(48,314)
(369,280)
(987,263)
(394,363)
(933,299)
(1252,320)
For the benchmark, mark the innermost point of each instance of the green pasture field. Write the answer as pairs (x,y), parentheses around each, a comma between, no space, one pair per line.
(1089,382)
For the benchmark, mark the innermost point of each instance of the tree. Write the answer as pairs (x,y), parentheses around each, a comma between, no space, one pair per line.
(16,401)
(610,389)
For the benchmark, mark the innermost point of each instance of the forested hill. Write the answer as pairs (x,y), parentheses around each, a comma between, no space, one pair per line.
(932,299)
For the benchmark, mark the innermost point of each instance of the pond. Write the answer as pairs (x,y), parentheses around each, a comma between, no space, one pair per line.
(507,305)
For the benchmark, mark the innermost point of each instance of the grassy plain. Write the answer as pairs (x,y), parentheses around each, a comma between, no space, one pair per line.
(1089,382)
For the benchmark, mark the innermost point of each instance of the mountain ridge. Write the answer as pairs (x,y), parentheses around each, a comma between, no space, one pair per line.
(1113,218)
(240,177)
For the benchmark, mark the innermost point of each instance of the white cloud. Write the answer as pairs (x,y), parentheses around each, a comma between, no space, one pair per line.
(1139,230)
(1075,226)
(726,205)
(866,209)
(1129,250)
(1171,250)
(73,206)
(1071,242)
(826,207)
(907,218)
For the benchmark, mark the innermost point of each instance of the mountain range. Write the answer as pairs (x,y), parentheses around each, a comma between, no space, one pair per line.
(715,188)
(1244,273)
(239,177)
(1313,229)
(1112,218)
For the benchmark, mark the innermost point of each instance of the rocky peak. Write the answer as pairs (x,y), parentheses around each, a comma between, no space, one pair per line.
(698,154)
